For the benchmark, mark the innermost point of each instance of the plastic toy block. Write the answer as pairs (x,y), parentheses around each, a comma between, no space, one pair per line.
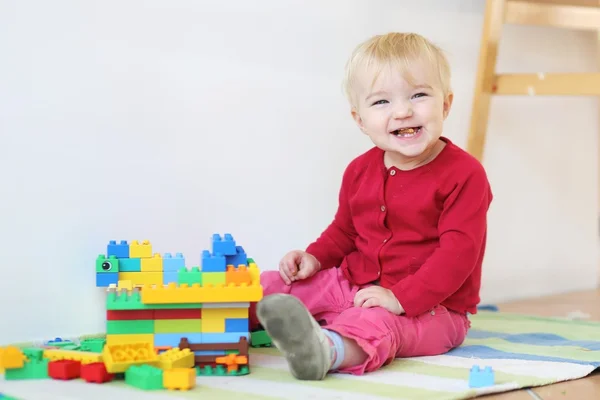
(178,326)
(92,345)
(237,275)
(173,264)
(140,250)
(142,278)
(223,245)
(107,265)
(481,378)
(172,294)
(64,369)
(178,314)
(129,315)
(119,250)
(32,369)
(95,373)
(189,276)
(11,357)
(82,357)
(170,277)
(33,353)
(58,342)
(219,370)
(179,378)
(152,264)
(176,358)
(229,337)
(133,301)
(173,339)
(105,279)
(144,377)
(232,361)
(211,352)
(260,339)
(129,327)
(214,278)
(125,338)
(119,357)
(254,272)
(127,285)
(213,262)
(239,258)
(237,324)
(130,265)
(213,319)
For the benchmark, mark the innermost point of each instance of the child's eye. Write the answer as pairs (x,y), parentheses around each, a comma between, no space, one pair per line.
(419,95)
(379,102)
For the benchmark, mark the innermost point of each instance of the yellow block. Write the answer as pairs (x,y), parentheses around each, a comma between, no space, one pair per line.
(140,250)
(176,358)
(152,264)
(142,278)
(119,357)
(84,356)
(11,357)
(179,378)
(254,273)
(213,319)
(173,294)
(178,325)
(130,338)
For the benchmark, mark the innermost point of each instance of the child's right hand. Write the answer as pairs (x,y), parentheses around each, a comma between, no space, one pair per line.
(297,265)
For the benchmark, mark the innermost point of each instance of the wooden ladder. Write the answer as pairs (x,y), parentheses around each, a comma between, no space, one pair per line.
(571,14)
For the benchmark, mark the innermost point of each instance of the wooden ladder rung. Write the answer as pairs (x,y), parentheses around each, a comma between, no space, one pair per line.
(555,84)
(569,16)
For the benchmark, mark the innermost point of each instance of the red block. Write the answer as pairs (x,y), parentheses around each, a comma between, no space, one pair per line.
(64,369)
(178,314)
(95,373)
(129,315)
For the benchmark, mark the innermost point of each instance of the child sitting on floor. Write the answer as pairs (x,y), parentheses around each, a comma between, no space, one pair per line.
(399,267)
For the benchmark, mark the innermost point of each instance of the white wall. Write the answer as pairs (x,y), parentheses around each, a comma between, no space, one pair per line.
(174,120)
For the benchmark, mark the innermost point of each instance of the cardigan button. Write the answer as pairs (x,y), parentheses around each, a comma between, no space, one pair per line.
(382,208)
(432,312)
(393,172)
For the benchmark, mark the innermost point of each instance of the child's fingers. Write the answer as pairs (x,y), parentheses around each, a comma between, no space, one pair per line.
(284,274)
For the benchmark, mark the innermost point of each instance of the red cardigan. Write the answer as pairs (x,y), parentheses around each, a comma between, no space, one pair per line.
(421,233)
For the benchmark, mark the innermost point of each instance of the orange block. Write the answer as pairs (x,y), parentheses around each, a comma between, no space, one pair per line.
(237,275)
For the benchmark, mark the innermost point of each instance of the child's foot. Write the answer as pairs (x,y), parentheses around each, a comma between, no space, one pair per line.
(296,334)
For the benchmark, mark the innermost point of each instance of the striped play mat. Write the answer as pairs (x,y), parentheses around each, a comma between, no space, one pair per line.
(523,351)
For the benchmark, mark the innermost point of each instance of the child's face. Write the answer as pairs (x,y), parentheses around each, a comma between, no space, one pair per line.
(387,110)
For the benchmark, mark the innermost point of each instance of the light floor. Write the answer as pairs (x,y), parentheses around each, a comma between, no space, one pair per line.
(560,306)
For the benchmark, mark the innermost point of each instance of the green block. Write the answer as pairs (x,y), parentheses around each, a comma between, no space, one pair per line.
(33,353)
(93,345)
(31,370)
(144,377)
(133,301)
(214,278)
(129,327)
(250,261)
(178,326)
(260,339)
(220,370)
(227,352)
(189,277)
(110,264)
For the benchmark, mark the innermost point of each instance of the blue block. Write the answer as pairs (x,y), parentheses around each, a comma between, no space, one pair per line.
(119,250)
(223,245)
(104,279)
(173,339)
(169,277)
(209,353)
(239,258)
(173,264)
(130,265)
(213,263)
(481,378)
(237,325)
(229,337)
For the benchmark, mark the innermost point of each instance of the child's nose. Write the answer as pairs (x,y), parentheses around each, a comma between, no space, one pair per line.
(403,111)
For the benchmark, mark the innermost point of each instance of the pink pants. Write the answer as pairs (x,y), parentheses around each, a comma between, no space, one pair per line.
(329,297)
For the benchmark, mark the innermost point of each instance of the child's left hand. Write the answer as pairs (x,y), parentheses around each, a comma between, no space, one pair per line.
(377,296)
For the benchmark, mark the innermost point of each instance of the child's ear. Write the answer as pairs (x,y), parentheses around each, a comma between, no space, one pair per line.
(448,104)
(356,117)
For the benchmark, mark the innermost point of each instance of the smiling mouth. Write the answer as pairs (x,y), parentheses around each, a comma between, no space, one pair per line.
(406,132)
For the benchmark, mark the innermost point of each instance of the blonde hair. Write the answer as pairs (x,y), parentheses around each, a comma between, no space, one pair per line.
(397,50)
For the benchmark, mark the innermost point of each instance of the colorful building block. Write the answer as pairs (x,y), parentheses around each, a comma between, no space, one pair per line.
(481,378)
(239,258)
(105,279)
(32,369)
(237,324)
(173,264)
(152,264)
(119,250)
(179,378)
(173,294)
(130,265)
(95,373)
(213,262)
(130,327)
(142,278)
(223,245)
(189,277)
(214,278)
(182,326)
(107,265)
(146,377)
(140,250)
(64,369)
(119,357)
(170,277)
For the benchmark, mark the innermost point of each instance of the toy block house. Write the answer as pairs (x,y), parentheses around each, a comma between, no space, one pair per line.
(203,309)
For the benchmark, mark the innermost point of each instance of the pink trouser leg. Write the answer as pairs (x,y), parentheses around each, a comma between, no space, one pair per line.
(326,294)
(385,336)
